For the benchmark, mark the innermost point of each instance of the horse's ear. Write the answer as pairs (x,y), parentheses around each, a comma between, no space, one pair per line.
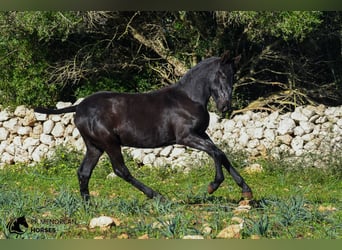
(225,58)
(237,59)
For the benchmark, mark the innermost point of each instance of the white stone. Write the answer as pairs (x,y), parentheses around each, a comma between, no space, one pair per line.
(20,111)
(29,118)
(308,137)
(10,149)
(58,130)
(321,120)
(298,131)
(148,150)
(149,159)
(253,143)
(255,133)
(4,115)
(3,134)
(339,123)
(217,135)
(40,152)
(61,105)
(285,148)
(7,158)
(271,121)
(11,125)
(297,115)
(67,118)
(3,146)
(176,152)
(157,151)
(46,139)
(269,134)
(297,143)
(333,112)
(336,129)
(21,155)
(273,116)
(299,152)
(243,139)
(41,117)
(161,162)
(311,145)
(257,124)
(112,175)
(24,130)
(193,237)
(75,133)
(17,142)
(286,139)
(306,126)
(102,222)
(326,126)
(79,144)
(68,130)
(314,118)
(166,151)
(55,118)
(286,125)
(230,232)
(244,118)
(309,111)
(213,122)
(48,126)
(138,154)
(78,101)
(29,142)
(254,168)
(228,126)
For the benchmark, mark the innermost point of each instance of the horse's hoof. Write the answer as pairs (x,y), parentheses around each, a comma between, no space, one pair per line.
(247,195)
(210,189)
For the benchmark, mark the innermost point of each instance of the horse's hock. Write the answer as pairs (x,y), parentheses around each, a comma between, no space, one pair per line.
(28,137)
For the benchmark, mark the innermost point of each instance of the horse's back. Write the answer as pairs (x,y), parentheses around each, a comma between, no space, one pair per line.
(140,120)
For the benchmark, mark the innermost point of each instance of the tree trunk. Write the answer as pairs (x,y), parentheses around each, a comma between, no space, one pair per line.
(158,47)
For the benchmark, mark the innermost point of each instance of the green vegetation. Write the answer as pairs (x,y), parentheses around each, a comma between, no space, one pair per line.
(293,201)
(289,58)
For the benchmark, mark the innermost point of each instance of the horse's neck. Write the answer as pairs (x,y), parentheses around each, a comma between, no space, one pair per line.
(197,90)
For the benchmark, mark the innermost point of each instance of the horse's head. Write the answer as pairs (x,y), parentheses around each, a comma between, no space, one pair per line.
(222,84)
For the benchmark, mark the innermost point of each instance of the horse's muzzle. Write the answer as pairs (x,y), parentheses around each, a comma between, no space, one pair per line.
(223,106)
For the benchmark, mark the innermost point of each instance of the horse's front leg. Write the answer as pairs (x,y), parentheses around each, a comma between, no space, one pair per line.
(246,190)
(204,143)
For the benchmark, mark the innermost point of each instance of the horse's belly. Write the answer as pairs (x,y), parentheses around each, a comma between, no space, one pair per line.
(146,136)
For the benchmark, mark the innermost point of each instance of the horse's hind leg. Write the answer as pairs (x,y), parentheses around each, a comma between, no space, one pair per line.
(85,170)
(122,171)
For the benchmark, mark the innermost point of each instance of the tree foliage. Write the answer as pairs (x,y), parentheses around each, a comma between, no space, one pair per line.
(289,58)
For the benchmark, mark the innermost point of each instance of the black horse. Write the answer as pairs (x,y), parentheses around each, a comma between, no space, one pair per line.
(172,115)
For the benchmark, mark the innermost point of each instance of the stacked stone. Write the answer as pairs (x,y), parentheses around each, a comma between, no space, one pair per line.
(307,129)
(26,136)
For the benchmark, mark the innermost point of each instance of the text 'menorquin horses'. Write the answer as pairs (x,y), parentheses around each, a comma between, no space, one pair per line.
(176,114)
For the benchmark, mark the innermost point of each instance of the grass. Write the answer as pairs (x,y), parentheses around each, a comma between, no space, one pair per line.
(293,201)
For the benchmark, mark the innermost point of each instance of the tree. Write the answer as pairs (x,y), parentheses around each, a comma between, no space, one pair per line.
(289,58)
(287,62)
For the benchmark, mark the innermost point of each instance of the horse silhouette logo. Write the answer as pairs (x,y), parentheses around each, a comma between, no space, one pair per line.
(18,225)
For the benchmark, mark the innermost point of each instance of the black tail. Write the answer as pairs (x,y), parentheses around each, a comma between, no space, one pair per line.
(55,111)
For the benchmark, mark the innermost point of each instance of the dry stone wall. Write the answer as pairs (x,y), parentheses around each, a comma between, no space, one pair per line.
(28,137)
